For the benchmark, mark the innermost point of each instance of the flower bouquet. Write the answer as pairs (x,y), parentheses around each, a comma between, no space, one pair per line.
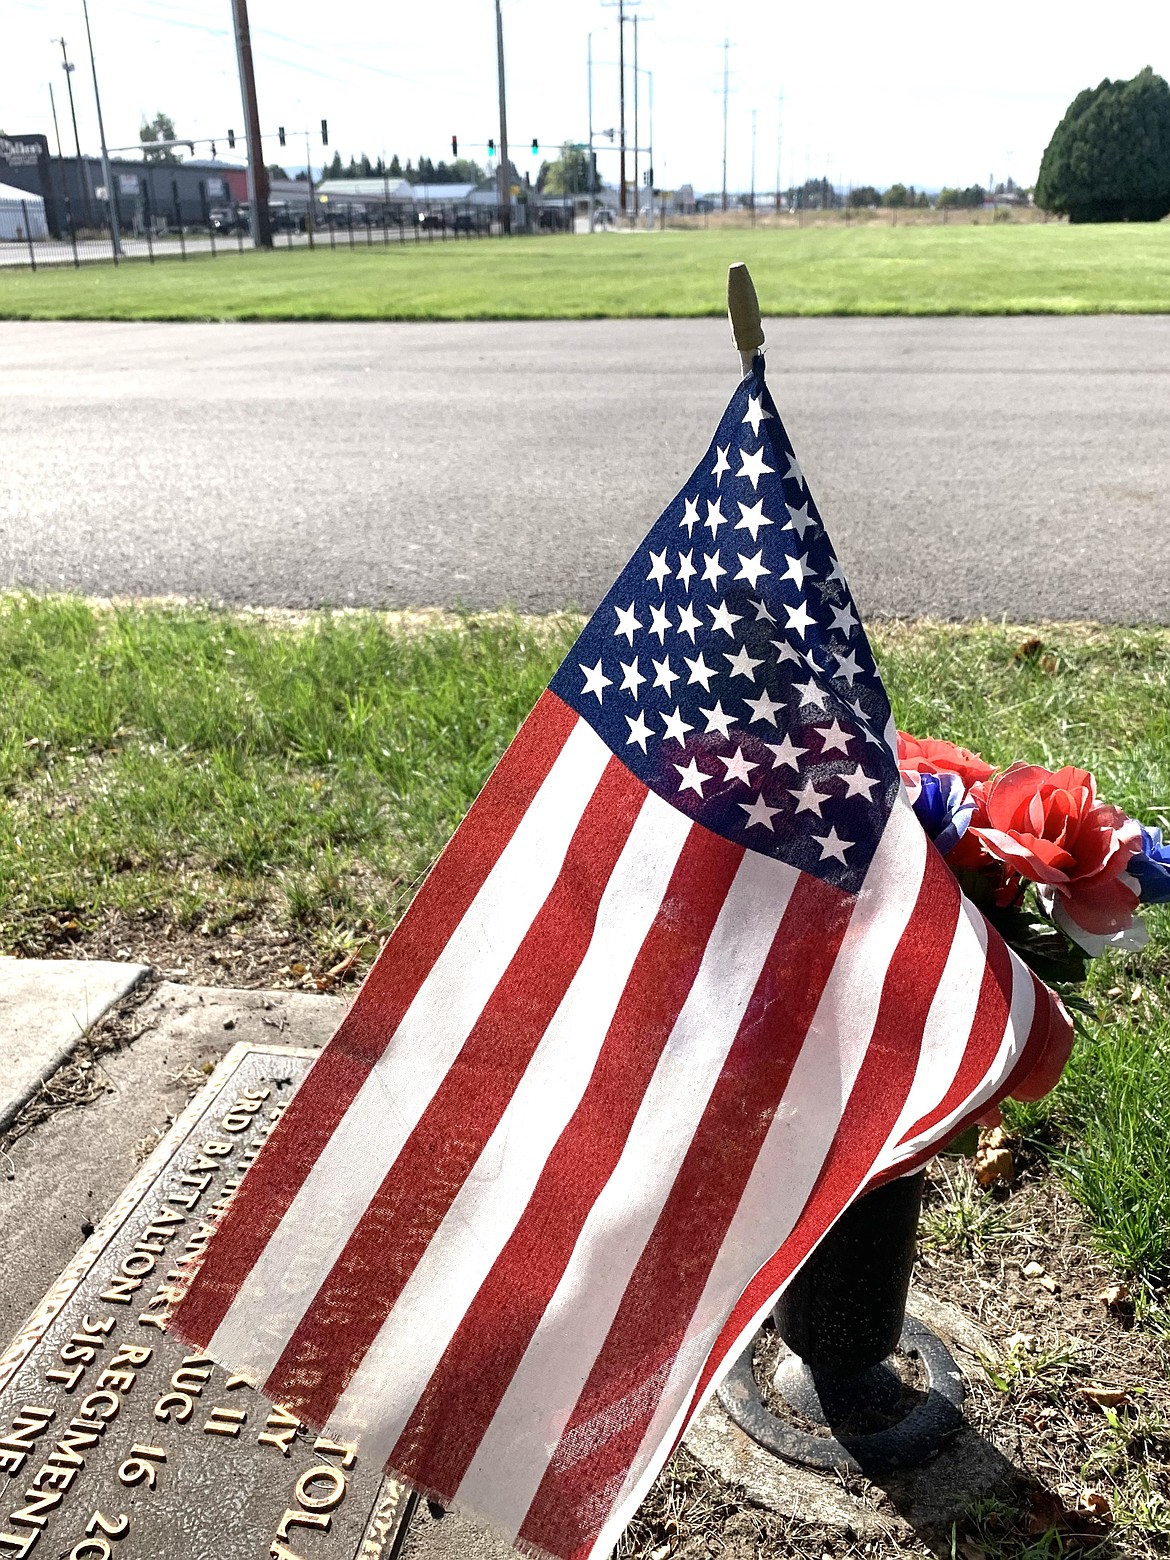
(1058,872)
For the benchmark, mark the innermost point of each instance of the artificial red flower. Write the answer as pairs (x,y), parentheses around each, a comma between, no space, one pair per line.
(1050,828)
(930,755)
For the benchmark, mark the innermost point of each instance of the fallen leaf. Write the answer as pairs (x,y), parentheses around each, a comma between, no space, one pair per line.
(994,1160)
(1136,994)
(1046,1510)
(1105,1397)
(1020,1343)
(1049,1283)
(1033,1270)
(1093,1503)
(1114,1294)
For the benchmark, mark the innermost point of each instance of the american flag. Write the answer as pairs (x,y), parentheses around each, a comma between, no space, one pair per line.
(688,979)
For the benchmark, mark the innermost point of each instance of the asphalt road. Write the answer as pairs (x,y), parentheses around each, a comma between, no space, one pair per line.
(1008,467)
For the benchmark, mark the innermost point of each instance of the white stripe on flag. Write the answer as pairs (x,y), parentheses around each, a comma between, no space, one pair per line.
(1015,1037)
(386,1386)
(511,1459)
(337,1190)
(801,1133)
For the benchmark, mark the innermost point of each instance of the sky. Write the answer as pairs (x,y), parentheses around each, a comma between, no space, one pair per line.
(915,90)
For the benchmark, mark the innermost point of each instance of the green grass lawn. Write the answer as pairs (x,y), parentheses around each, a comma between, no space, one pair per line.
(1033,268)
(278,776)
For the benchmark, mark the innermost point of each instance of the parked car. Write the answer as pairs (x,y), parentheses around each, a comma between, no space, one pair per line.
(432,219)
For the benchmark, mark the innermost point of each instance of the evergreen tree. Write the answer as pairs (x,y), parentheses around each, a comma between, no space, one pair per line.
(365,167)
(1109,157)
(335,169)
(395,167)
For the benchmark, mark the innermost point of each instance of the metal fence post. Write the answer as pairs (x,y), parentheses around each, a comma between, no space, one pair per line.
(178,217)
(32,258)
(147,208)
(349,220)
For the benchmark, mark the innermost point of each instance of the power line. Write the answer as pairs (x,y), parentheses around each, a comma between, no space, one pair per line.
(726,47)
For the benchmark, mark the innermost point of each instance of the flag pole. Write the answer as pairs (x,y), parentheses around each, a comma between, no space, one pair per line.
(743,310)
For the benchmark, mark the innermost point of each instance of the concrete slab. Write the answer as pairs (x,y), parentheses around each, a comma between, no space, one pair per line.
(58,1180)
(46,1007)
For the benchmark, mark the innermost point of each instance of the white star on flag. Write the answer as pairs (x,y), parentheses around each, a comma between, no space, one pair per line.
(659,568)
(717,720)
(712,568)
(663,676)
(700,672)
(750,569)
(742,664)
(686,569)
(721,464)
(833,738)
(675,727)
(832,845)
(811,693)
(715,517)
(759,812)
(764,708)
(858,783)
(690,515)
(752,518)
(756,413)
(659,623)
(809,799)
(722,617)
(843,618)
(794,473)
(797,571)
(848,667)
(639,730)
(799,618)
(627,624)
(633,679)
(595,680)
(737,767)
(753,466)
(687,621)
(799,520)
(693,778)
(785,753)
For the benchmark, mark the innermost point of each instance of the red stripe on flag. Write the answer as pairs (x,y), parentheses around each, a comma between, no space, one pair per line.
(442,1435)
(346,1314)
(985,1037)
(876,1100)
(626,1382)
(327,1092)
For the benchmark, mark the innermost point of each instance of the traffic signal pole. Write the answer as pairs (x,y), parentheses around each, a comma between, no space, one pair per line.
(504,178)
(257,172)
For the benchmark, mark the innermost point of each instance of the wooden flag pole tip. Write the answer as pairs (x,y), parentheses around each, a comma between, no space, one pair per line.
(743,310)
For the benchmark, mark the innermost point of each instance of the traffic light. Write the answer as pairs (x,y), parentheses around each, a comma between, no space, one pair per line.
(454,146)
(232,139)
(535,147)
(491,146)
(324,132)
(280,133)
(213,151)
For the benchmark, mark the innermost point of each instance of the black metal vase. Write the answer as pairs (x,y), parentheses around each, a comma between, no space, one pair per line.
(842,1320)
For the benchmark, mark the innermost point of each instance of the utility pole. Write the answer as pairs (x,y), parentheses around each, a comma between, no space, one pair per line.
(589,70)
(637,95)
(61,167)
(111,199)
(504,177)
(82,172)
(622,101)
(779,121)
(309,176)
(257,171)
(753,168)
(726,46)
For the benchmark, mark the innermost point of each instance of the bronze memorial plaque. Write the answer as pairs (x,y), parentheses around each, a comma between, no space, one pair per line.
(115,1440)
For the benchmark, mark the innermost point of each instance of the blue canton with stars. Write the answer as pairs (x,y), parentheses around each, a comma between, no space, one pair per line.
(727,666)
